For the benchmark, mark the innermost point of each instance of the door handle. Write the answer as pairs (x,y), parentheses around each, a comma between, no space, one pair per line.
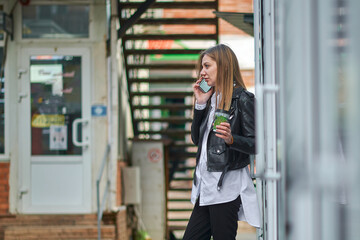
(75,137)
(22,191)
(21,96)
(261,171)
(21,72)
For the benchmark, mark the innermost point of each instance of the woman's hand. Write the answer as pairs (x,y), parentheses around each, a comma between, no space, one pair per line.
(200,96)
(223,130)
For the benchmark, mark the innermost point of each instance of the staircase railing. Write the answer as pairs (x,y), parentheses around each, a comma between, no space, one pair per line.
(101,202)
(159,78)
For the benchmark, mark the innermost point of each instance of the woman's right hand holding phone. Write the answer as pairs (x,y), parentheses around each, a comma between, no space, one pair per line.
(201,97)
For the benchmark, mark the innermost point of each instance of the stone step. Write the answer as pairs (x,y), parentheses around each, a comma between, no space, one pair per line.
(58,232)
(51,219)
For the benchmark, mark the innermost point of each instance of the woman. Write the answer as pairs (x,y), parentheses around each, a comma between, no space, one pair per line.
(222,192)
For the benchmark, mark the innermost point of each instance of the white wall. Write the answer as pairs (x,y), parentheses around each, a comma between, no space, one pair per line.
(243,47)
(99,93)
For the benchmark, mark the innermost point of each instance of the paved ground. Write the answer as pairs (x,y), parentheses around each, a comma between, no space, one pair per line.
(245,232)
(246,236)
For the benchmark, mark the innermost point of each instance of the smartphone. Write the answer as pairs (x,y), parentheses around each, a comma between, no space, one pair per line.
(204,87)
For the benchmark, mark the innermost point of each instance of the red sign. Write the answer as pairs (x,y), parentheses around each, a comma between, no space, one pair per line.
(154,155)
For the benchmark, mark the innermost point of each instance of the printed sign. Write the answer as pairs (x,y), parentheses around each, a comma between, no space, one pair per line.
(98,110)
(58,137)
(46,120)
(154,155)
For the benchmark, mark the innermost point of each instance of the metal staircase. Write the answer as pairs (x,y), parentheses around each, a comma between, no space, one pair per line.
(161,49)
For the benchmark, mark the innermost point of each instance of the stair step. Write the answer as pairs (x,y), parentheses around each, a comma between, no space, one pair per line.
(179,199)
(176,158)
(178,219)
(163,107)
(170,37)
(181,169)
(161,51)
(184,154)
(160,21)
(182,179)
(58,219)
(180,209)
(162,66)
(162,93)
(58,232)
(180,189)
(172,5)
(167,132)
(176,228)
(168,119)
(182,145)
(162,80)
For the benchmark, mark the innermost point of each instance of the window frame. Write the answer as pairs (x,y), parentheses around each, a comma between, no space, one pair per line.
(4,157)
(19,22)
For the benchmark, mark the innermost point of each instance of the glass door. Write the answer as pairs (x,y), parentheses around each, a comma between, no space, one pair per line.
(55,131)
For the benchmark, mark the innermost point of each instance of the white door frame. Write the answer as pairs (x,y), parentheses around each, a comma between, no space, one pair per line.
(26,161)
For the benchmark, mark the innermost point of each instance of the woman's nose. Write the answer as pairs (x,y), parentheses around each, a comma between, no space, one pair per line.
(202,72)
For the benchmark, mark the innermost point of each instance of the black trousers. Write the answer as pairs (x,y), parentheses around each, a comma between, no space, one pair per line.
(219,221)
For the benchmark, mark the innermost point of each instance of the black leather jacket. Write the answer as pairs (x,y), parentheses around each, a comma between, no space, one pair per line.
(222,157)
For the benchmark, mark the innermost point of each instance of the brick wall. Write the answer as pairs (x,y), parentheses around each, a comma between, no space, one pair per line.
(225,28)
(121,225)
(4,187)
(188,29)
(245,6)
(119,199)
(248,77)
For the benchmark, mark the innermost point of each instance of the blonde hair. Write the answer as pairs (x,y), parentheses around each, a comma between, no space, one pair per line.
(228,72)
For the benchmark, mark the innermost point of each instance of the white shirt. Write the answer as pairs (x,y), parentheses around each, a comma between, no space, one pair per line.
(235,183)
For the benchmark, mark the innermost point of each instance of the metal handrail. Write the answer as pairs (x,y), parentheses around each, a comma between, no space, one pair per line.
(100,207)
(261,170)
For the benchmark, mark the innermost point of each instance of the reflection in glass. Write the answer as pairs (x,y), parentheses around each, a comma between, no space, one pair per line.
(2,105)
(1,31)
(55,21)
(55,104)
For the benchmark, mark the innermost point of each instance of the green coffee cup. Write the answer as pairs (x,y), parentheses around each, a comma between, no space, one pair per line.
(220,116)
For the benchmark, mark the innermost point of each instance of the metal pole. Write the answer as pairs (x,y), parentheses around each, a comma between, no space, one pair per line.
(258,60)
(353,120)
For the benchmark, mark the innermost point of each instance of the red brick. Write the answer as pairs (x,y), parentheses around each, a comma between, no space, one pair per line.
(58,226)
(56,232)
(248,77)
(225,28)
(121,226)
(4,187)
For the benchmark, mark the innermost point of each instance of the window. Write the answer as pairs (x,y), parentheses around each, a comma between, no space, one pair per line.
(2,104)
(1,31)
(55,21)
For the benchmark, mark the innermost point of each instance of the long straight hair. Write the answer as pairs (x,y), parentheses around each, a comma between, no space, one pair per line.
(228,73)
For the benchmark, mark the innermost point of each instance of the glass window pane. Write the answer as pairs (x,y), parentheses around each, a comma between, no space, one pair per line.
(55,21)
(55,104)
(2,106)
(1,31)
